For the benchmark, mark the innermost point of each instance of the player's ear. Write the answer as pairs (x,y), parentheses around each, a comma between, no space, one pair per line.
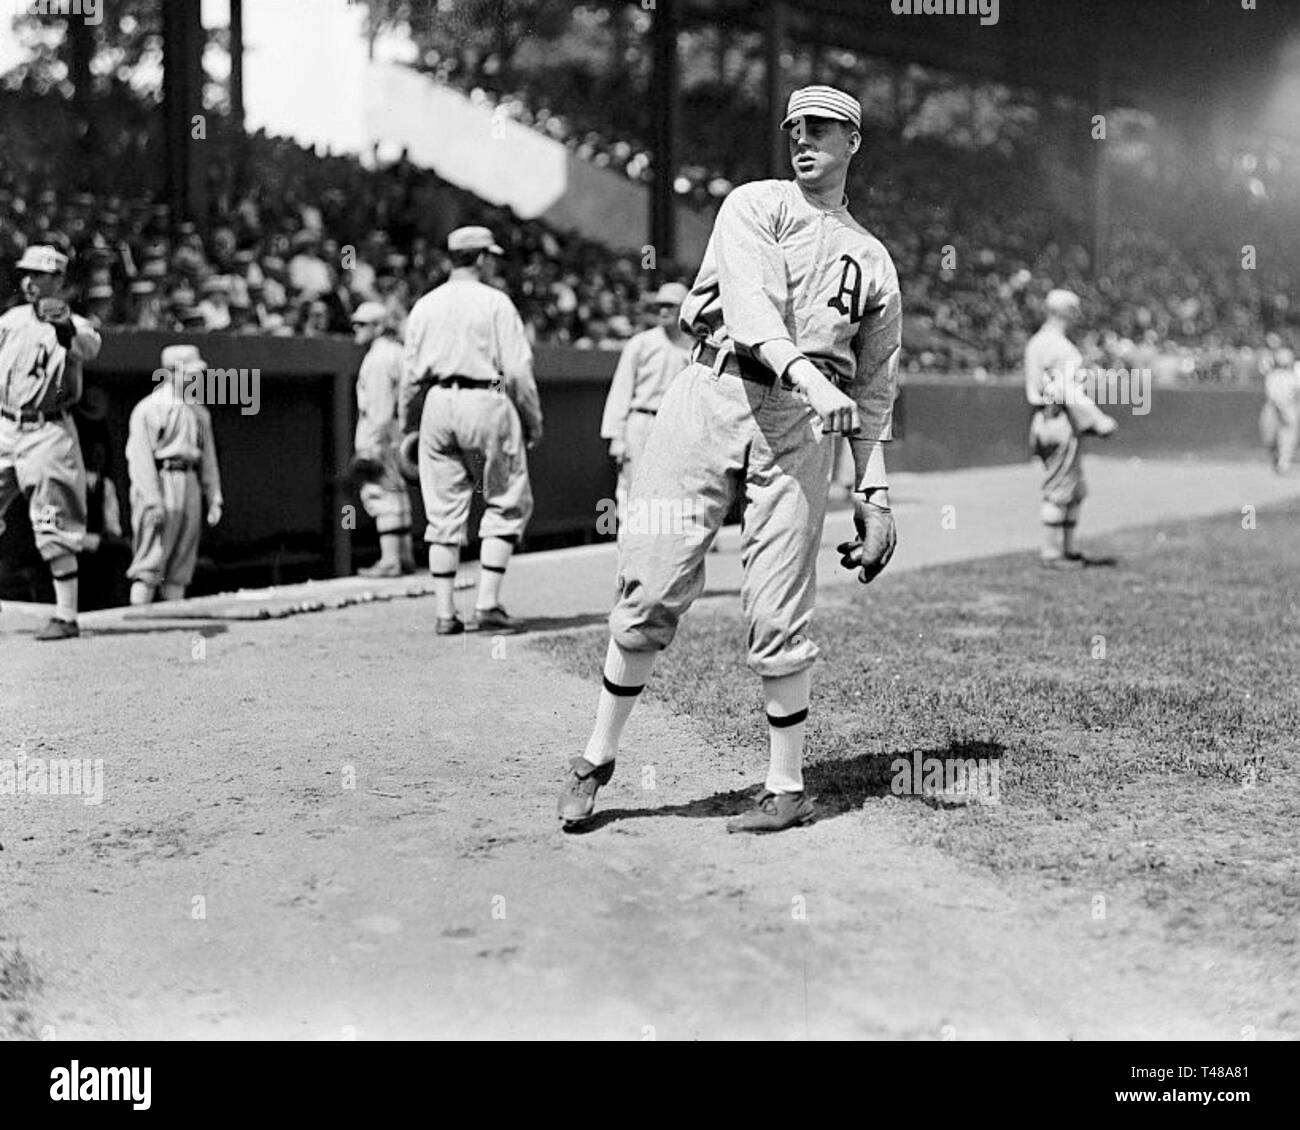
(855,142)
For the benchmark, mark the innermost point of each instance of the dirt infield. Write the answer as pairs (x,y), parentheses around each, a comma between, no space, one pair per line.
(339,825)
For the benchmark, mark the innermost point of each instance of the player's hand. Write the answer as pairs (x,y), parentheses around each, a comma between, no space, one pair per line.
(533,438)
(151,517)
(90,542)
(875,543)
(214,513)
(617,450)
(1106,426)
(53,310)
(838,413)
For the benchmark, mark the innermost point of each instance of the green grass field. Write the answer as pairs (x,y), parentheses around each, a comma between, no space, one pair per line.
(1146,716)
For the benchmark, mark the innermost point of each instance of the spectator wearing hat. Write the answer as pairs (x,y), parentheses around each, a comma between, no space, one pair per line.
(215,304)
(309,274)
(171,456)
(649,362)
(384,495)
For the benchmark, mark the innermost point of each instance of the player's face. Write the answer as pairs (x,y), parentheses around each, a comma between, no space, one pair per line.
(820,150)
(39,284)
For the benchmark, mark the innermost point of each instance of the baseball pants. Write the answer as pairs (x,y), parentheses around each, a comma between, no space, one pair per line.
(1053,440)
(166,550)
(1280,433)
(469,437)
(387,500)
(635,433)
(717,434)
(45,459)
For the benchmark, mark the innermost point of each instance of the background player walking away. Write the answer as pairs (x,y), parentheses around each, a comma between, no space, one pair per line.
(795,302)
(171,457)
(43,347)
(466,345)
(649,361)
(383,490)
(1064,414)
(1279,420)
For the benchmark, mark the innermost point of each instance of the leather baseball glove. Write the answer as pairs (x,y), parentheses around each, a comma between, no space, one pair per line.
(53,310)
(875,543)
(365,467)
(408,457)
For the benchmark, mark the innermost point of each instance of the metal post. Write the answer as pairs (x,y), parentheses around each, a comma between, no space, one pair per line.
(774,35)
(663,97)
(238,138)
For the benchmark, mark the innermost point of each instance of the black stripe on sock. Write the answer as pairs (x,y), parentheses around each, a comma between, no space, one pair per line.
(64,576)
(395,530)
(621,692)
(511,538)
(443,576)
(789,720)
(493,568)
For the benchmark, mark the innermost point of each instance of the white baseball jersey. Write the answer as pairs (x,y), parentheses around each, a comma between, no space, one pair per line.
(164,426)
(469,329)
(35,374)
(378,383)
(648,362)
(782,274)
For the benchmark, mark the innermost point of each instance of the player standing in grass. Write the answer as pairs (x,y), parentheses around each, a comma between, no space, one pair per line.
(796,314)
(1064,413)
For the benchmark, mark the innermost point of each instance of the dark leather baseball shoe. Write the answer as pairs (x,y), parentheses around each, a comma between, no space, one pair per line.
(578,797)
(452,626)
(492,620)
(58,629)
(774,812)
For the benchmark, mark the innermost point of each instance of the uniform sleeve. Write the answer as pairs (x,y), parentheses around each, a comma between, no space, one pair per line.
(752,281)
(209,469)
(515,357)
(618,403)
(1035,378)
(86,341)
(412,380)
(139,458)
(877,349)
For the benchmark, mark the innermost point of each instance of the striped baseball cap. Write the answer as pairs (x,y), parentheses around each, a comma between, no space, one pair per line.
(823,102)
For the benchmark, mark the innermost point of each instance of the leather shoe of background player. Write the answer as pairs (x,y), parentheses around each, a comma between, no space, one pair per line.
(381,569)
(774,812)
(492,620)
(453,626)
(578,797)
(58,630)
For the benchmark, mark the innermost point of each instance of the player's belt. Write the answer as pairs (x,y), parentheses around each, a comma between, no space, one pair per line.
(457,381)
(175,464)
(23,416)
(736,364)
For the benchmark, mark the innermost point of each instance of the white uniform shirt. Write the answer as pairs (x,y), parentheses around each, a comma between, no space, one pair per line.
(782,273)
(165,426)
(469,329)
(650,360)
(37,373)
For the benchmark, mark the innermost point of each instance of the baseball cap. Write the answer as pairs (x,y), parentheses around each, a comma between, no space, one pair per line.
(44,259)
(670,294)
(473,239)
(1061,301)
(369,314)
(183,358)
(822,102)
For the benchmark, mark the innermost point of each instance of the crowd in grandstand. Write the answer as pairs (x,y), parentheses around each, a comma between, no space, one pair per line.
(311,237)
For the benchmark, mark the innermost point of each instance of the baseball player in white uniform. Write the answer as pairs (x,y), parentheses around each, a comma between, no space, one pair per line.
(797,316)
(1279,419)
(171,455)
(466,345)
(43,347)
(1064,413)
(383,490)
(649,361)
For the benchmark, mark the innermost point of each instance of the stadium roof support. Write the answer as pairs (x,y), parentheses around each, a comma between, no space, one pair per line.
(182,24)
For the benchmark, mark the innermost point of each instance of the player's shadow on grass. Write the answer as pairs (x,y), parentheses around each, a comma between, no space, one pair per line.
(531,624)
(193,628)
(840,786)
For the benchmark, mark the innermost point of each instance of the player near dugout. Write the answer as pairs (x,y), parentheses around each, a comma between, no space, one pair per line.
(648,362)
(383,490)
(1064,413)
(468,354)
(796,314)
(43,347)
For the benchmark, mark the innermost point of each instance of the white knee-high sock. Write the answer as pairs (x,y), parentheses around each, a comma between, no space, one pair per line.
(443,560)
(493,557)
(63,570)
(787,717)
(141,592)
(626,673)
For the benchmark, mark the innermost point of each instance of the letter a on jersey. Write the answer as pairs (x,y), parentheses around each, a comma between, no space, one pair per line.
(848,299)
